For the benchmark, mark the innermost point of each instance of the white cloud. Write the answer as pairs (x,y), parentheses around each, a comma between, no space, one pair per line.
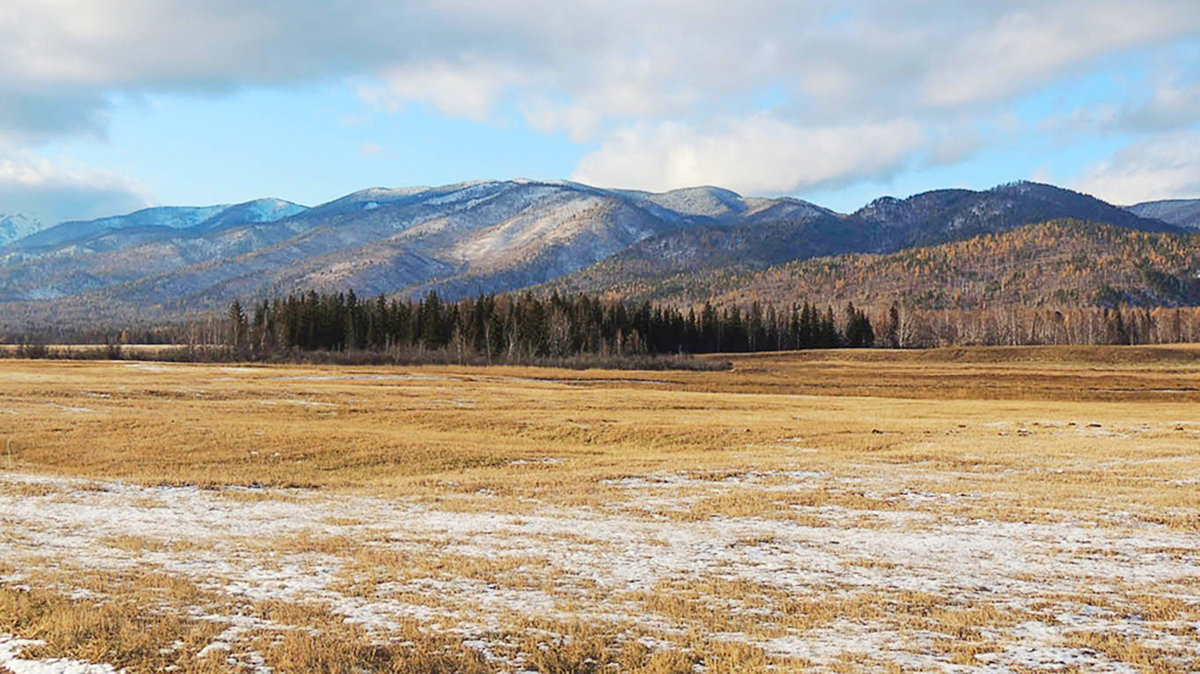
(53,191)
(468,90)
(371,149)
(955,142)
(617,90)
(1170,101)
(618,59)
(1173,104)
(1161,167)
(759,154)
(1033,43)
(630,75)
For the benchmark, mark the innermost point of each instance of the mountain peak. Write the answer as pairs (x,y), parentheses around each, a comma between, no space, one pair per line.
(1024,187)
(14,226)
(387,192)
(263,210)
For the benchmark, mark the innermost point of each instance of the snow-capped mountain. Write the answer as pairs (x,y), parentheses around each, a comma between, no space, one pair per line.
(1182,212)
(721,205)
(15,226)
(475,237)
(885,225)
(198,218)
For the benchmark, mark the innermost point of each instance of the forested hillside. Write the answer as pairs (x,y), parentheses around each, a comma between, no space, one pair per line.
(885,225)
(1061,263)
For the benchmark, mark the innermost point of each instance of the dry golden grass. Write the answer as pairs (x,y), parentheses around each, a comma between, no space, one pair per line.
(109,631)
(475,519)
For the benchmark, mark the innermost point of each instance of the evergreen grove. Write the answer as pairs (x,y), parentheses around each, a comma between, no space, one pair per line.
(526,325)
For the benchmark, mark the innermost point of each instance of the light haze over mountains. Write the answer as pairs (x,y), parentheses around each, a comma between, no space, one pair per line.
(492,236)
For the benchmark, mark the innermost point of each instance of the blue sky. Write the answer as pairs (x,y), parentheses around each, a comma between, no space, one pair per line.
(110,105)
(309,144)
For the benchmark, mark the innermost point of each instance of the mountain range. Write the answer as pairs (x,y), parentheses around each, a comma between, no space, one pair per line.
(490,236)
(1185,212)
(1058,263)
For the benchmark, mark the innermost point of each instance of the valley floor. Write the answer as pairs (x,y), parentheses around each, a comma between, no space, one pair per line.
(964,510)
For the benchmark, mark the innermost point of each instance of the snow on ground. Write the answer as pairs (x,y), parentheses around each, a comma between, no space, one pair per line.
(11,648)
(602,560)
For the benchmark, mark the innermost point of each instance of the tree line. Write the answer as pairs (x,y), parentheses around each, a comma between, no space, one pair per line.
(910,327)
(524,328)
(515,326)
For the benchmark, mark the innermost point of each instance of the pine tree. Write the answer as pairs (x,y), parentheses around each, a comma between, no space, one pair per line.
(237,324)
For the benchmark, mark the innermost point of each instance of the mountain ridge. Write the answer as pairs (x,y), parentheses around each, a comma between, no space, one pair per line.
(165,217)
(886,224)
(473,234)
(16,226)
(1068,263)
(481,237)
(1182,212)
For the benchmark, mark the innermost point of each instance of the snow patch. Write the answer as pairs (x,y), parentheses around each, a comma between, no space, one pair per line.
(11,648)
(619,551)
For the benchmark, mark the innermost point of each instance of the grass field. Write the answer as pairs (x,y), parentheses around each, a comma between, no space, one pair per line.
(1031,509)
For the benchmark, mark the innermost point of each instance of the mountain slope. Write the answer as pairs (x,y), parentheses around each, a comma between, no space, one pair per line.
(482,236)
(717,205)
(14,226)
(479,237)
(163,218)
(885,225)
(1182,212)
(948,215)
(78,257)
(1063,263)
(467,235)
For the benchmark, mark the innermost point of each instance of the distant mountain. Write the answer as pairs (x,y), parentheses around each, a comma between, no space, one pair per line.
(718,205)
(467,238)
(479,237)
(163,218)
(1063,263)
(947,215)
(15,226)
(1181,212)
(885,225)
(259,210)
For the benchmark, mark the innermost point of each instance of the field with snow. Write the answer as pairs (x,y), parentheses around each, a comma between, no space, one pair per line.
(963,510)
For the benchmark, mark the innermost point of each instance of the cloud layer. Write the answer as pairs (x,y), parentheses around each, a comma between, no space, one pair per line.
(756,155)
(762,95)
(1160,167)
(52,192)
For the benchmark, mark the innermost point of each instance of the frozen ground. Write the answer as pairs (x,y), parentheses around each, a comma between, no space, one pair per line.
(818,583)
(10,658)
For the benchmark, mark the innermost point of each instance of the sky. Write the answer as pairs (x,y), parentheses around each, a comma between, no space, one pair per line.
(107,106)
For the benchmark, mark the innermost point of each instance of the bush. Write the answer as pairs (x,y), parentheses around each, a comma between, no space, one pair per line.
(34,350)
